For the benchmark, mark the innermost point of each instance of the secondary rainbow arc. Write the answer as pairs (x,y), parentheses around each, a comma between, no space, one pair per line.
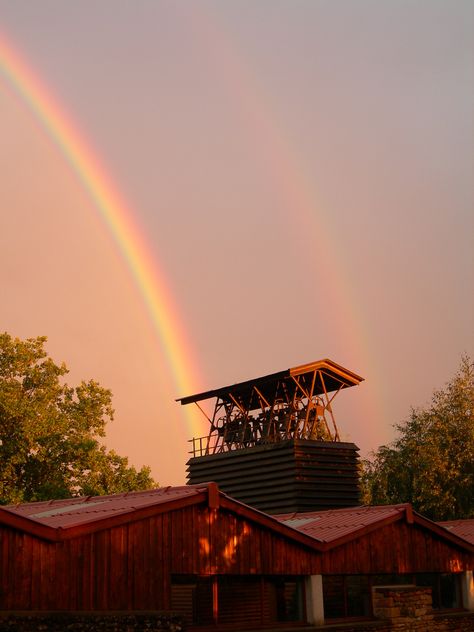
(275,151)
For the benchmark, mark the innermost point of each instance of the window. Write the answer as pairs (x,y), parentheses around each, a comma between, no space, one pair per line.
(192,596)
(346,596)
(445,589)
(283,599)
(289,595)
(392,579)
(245,600)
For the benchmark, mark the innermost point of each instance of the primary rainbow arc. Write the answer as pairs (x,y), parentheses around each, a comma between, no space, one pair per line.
(115,213)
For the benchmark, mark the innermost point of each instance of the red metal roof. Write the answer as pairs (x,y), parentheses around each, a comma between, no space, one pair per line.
(462,528)
(58,519)
(321,527)
(61,519)
(77,511)
(332,524)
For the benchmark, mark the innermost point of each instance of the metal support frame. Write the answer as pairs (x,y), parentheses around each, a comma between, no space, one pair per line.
(301,411)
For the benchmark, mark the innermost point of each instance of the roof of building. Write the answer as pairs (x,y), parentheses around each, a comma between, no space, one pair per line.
(66,518)
(319,530)
(73,512)
(335,377)
(333,524)
(462,528)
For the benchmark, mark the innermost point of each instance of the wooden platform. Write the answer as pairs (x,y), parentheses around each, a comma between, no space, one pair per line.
(289,476)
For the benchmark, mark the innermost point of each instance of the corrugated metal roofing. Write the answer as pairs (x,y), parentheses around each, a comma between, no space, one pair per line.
(461,528)
(332,524)
(323,528)
(76,511)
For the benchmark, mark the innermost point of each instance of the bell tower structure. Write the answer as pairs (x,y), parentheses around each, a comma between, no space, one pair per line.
(273,441)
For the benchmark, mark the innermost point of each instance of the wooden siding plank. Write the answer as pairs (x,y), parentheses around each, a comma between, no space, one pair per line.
(180,532)
(102,582)
(35,602)
(204,542)
(48,587)
(24,556)
(130,573)
(89,555)
(159,564)
(135,567)
(166,562)
(194,542)
(143,566)
(118,576)
(154,571)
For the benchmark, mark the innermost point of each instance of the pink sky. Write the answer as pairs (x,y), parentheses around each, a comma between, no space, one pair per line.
(302,173)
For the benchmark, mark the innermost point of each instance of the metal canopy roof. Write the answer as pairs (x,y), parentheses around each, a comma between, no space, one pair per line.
(334,375)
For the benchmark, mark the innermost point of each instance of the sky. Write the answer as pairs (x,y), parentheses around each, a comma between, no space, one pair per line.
(296,177)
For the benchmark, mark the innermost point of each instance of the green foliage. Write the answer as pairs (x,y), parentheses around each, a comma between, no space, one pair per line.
(431,463)
(49,432)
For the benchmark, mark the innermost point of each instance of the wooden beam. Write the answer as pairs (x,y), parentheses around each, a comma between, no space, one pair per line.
(213,495)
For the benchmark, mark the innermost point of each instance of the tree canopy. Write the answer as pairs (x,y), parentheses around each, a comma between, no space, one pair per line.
(50,432)
(431,462)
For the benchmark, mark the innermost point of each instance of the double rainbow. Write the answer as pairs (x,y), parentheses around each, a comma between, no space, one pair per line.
(277,155)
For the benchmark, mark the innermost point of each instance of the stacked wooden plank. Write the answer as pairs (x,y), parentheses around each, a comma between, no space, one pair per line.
(288,476)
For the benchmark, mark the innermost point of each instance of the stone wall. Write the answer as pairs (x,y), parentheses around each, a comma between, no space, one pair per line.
(91,622)
(402,604)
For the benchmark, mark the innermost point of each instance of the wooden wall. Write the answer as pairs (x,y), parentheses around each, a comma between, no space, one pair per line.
(240,547)
(124,568)
(396,548)
(130,567)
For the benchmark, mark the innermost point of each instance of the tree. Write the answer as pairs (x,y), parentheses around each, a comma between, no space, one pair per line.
(49,431)
(431,462)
